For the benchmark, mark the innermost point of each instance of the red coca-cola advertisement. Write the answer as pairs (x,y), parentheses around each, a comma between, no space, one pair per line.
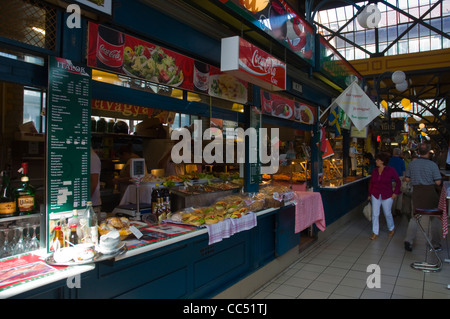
(279,106)
(249,63)
(113,51)
(258,63)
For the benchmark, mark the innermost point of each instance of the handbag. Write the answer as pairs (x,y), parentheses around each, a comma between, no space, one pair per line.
(367,211)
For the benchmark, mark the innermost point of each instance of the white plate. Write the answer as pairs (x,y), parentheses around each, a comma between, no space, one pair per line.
(110,251)
(281,115)
(307,111)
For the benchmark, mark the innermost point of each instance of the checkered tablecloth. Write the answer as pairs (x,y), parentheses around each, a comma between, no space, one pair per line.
(230,226)
(308,210)
(445,192)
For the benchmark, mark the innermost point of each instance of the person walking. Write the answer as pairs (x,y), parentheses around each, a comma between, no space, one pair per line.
(425,179)
(399,164)
(381,193)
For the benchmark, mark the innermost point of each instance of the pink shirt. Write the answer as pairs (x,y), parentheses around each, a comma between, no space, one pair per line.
(382,184)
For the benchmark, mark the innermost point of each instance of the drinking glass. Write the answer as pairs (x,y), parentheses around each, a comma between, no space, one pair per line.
(27,239)
(34,244)
(7,248)
(19,247)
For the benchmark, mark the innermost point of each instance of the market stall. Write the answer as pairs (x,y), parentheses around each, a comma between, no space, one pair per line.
(235,215)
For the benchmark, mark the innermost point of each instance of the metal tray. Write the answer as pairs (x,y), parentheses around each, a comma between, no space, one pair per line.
(97,258)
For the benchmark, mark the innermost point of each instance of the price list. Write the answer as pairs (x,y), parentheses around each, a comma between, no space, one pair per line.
(68,136)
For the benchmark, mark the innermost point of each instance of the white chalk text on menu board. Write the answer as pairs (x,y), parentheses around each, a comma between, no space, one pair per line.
(68,136)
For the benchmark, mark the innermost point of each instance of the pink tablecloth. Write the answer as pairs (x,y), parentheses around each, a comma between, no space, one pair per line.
(308,211)
(443,205)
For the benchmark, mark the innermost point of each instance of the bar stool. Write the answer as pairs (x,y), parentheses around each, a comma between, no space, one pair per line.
(422,265)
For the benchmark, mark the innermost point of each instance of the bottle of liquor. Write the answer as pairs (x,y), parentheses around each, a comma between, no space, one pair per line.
(166,200)
(24,194)
(7,201)
(156,194)
(161,211)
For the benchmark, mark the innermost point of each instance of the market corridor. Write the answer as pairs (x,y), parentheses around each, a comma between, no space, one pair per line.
(336,268)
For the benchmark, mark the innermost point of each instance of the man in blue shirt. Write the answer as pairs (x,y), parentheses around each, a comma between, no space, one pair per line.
(397,162)
(399,165)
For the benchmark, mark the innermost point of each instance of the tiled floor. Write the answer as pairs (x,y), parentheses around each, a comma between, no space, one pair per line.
(336,268)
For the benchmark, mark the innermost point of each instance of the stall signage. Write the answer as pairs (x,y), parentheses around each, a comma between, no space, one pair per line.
(357,105)
(68,136)
(127,110)
(114,51)
(281,107)
(334,66)
(248,62)
(277,19)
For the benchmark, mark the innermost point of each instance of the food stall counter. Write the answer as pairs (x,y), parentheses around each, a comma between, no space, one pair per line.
(25,272)
(339,183)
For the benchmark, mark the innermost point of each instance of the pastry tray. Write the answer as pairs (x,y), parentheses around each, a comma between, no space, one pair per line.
(97,258)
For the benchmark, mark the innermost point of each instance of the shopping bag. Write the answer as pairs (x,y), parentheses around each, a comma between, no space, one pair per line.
(367,211)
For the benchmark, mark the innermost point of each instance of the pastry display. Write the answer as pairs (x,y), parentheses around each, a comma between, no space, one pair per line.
(120,224)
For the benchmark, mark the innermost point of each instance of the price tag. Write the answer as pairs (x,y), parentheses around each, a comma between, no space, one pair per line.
(136,232)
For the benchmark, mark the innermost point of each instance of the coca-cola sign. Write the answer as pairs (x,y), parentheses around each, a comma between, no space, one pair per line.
(113,51)
(250,63)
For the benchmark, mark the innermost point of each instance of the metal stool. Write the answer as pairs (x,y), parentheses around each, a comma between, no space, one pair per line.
(422,265)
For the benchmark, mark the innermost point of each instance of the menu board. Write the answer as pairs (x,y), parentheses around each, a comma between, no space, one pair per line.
(68,136)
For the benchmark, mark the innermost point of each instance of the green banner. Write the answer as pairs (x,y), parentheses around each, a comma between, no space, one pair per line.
(68,136)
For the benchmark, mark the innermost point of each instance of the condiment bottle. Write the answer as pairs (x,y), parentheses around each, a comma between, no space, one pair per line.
(59,236)
(73,239)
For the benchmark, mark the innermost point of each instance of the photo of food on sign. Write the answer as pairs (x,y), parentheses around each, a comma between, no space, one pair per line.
(112,50)
(226,86)
(152,64)
(281,107)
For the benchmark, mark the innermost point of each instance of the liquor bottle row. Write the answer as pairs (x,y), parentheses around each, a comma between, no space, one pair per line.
(19,201)
(160,202)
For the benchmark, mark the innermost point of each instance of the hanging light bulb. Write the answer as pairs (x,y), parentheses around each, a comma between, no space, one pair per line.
(406,104)
(401,86)
(384,104)
(398,77)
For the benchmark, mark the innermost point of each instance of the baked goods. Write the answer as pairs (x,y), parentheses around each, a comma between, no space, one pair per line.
(274,196)
(196,218)
(254,203)
(211,219)
(238,213)
(121,224)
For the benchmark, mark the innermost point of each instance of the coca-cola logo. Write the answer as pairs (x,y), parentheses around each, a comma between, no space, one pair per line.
(111,54)
(265,64)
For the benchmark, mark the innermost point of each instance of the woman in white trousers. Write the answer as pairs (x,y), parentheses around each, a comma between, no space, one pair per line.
(381,193)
